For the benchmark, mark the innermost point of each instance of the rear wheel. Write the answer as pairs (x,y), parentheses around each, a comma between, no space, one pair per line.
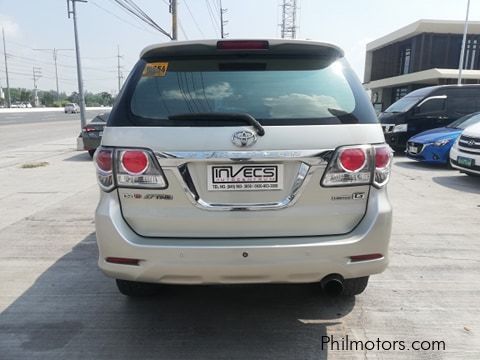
(137,289)
(352,287)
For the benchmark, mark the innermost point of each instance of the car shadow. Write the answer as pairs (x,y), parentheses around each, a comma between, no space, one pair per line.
(73,311)
(460,182)
(83,156)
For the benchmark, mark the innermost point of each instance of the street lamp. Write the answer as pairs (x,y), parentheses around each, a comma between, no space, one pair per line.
(464,42)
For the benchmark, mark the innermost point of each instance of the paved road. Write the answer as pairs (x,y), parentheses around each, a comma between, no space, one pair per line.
(24,129)
(55,303)
(18,118)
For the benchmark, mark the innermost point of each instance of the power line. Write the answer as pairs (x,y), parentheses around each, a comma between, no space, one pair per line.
(119,18)
(193,18)
(212,17)
(138,13)
(183,30)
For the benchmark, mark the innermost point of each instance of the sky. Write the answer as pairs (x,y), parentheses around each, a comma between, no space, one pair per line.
(103,25)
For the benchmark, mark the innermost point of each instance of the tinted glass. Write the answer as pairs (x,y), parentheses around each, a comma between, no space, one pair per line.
(404,104)
(432,106)
(276,91)
(468,122)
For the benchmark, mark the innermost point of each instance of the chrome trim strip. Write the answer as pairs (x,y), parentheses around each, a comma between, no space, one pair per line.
(310,157)
(183,175)
(178,163)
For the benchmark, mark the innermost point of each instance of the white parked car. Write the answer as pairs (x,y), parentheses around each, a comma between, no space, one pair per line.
(465,152)
(243,161)
(72,108)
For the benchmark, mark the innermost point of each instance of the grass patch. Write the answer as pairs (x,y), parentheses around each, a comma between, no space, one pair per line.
(34,165)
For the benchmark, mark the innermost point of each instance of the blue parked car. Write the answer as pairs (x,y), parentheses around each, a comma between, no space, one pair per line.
(433,146)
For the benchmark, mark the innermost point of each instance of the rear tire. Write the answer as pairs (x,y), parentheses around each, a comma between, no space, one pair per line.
(473,175)
(352,287)
(137,289)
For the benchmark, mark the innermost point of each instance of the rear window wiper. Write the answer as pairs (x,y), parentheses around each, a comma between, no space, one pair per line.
(217,116)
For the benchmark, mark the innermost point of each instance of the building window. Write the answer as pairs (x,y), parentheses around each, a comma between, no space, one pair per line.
(399,93)
(471,52)
(405,59)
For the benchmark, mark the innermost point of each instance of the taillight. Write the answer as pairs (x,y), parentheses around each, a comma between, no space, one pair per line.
(104,163)
(88,129)
(359,165)
(139,169)
(134,162)
(352,160)
(350,165)
(133,168)
(383,162)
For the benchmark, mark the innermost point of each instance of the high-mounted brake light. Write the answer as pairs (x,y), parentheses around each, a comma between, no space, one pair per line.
(242,45)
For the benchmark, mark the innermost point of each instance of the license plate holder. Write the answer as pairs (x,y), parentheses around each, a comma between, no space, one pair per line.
(464,161)
(412,149)
(245,177)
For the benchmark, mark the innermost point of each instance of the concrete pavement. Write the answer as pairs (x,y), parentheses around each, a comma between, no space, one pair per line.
(55,304)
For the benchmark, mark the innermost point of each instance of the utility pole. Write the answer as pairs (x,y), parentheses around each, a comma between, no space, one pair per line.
(289,19)
(81,94)
(222,22)
(55,53)
(37,74)
(464,41)
(9,100)
(173,11)
(119,73)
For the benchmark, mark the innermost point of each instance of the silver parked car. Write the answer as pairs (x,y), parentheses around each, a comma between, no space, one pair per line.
(71,108)
(243,161)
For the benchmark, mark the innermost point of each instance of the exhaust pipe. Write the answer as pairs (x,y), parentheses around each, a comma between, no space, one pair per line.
(332,285)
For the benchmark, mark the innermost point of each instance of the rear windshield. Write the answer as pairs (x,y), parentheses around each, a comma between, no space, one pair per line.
(277,91)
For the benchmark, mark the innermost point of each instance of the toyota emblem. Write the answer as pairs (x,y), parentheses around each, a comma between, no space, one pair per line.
(244,138)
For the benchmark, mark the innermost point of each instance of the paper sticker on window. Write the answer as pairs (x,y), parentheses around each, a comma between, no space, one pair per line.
(155,69)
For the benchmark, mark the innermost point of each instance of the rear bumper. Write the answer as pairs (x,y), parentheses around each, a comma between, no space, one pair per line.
(91,143)
(250,260)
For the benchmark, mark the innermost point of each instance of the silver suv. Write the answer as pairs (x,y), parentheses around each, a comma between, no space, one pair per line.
(243,161)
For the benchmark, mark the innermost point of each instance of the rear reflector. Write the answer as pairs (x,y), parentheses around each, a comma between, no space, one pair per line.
(242,45)
(122,261)
(365,257)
